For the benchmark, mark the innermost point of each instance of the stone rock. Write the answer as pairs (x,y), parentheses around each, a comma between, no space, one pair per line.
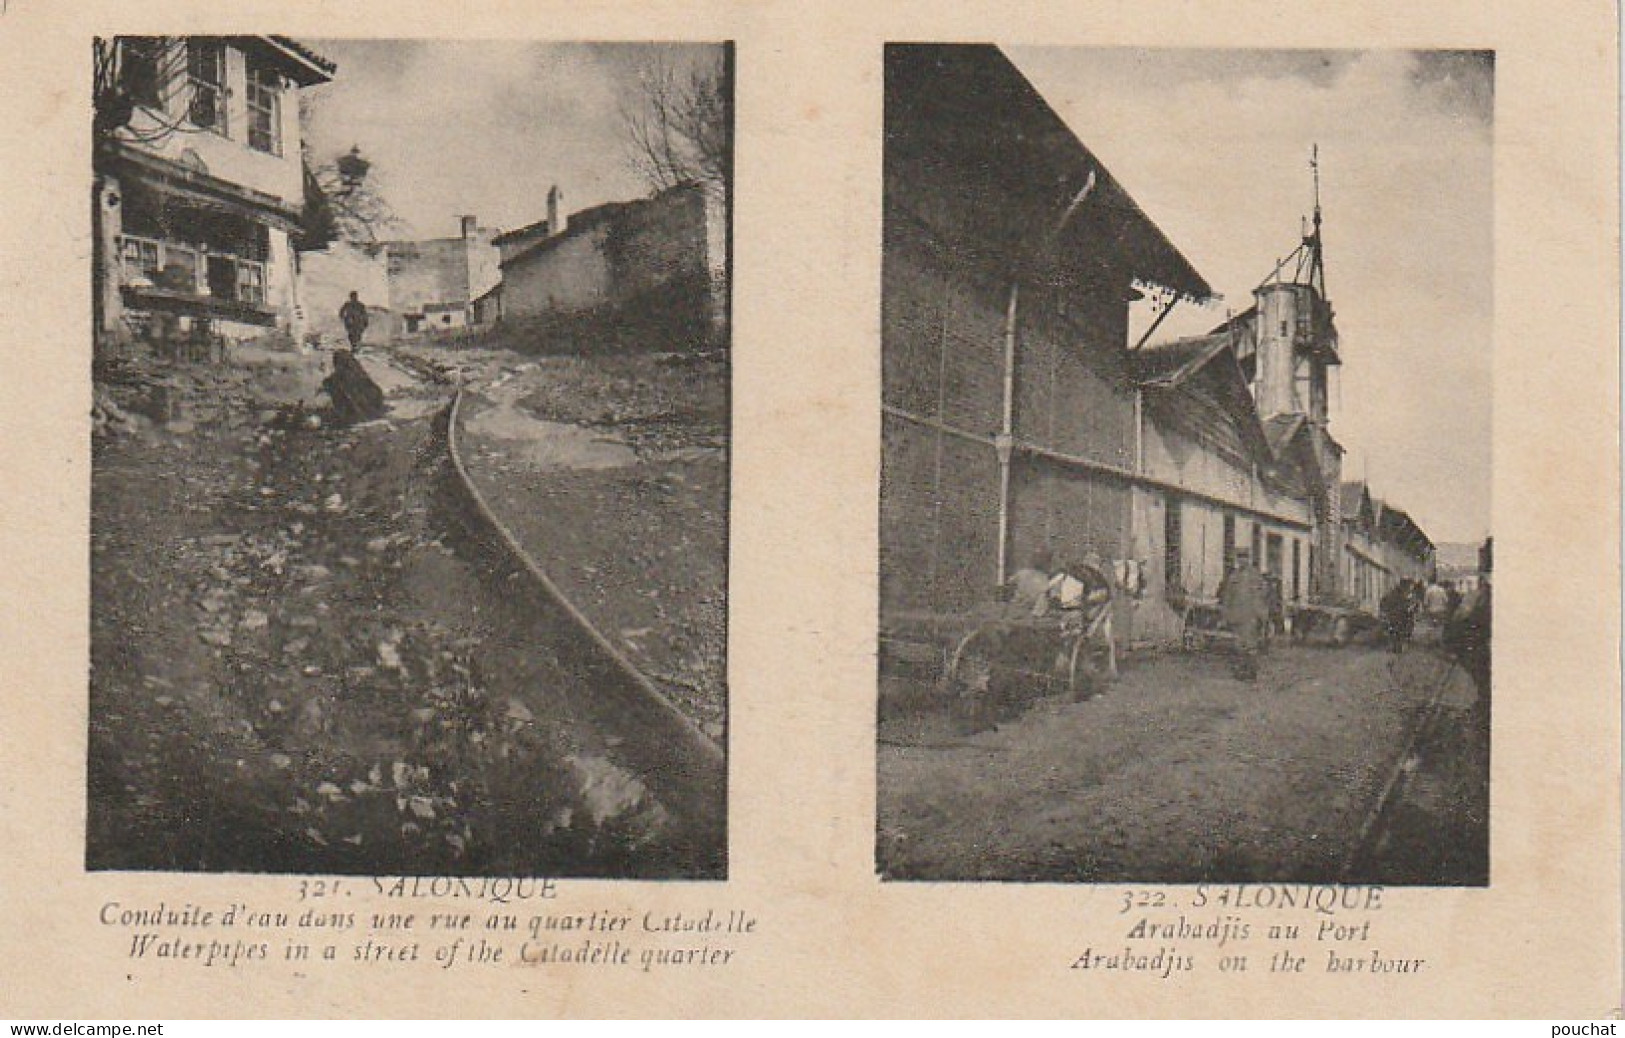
(356,397)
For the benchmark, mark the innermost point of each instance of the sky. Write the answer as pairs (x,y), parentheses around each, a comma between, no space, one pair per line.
(1215,147)
(484,127)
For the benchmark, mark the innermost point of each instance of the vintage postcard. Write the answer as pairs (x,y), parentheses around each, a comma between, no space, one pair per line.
(341,424)
(713,509)
(1158,596)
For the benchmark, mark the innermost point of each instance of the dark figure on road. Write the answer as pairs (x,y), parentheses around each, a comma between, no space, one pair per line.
(1398,608)
(356,397)
(354,315)
(1244,605)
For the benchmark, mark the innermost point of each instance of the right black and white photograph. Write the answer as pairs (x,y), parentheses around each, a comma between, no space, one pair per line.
(1185,543)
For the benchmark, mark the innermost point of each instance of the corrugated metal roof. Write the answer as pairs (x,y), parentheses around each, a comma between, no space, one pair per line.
(1169,363)
(964,115)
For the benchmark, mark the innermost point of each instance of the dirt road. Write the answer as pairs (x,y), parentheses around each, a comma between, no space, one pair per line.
(613,472)
(1182,774)
(299,664)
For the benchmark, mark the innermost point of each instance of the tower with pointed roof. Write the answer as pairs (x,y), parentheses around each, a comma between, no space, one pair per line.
(1292,350)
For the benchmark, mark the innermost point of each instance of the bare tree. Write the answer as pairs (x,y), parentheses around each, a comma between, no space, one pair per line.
(344,200)
(679,126)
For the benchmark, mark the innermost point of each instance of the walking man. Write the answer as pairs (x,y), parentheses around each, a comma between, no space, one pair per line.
(354,315)
(1244,605)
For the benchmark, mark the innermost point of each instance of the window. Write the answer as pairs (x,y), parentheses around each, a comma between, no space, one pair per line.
(1297,559)
(169,266)
(264,110)
(1229,542)
(251,282)
(180,268)
(1173,578)
(142,259)
(141,68)
(206,74)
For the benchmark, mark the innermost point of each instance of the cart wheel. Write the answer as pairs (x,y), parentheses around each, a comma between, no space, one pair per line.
(971,682)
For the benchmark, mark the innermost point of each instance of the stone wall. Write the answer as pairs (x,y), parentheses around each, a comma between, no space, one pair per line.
(327,278)
(619,254)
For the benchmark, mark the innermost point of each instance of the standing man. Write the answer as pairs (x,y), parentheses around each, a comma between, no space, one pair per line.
(1398,609)
(1244,605)
(354,315)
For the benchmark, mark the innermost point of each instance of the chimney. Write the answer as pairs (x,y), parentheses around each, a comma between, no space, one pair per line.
(469,225)
(555,219)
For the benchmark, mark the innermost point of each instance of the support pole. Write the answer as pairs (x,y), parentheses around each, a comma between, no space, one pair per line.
(1007,431)
(1160,318)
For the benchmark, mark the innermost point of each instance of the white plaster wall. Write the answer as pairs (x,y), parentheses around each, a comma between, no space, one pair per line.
(228,156)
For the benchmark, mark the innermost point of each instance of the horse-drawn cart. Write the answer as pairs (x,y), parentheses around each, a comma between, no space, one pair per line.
(1202,626)
(1000,652)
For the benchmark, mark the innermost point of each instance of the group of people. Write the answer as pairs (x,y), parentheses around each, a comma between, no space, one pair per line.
(1250,608)
(1398,609)
(1446,608)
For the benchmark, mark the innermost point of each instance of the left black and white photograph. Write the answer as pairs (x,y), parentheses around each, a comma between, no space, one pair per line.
(410,457)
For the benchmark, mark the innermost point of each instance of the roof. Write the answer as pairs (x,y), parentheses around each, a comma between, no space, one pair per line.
(303,64)
(520,232)
(964,120)
(1398,524)
(581,222)
(1281,429)
(1168,366)
(1170,363)
(1353,496)
(197,188)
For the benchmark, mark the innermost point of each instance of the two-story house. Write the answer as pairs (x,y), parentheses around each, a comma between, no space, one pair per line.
(199,181)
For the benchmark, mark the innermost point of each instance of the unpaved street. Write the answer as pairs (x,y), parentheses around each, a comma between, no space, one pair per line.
(302,662)
(1181,773)
(613,472)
